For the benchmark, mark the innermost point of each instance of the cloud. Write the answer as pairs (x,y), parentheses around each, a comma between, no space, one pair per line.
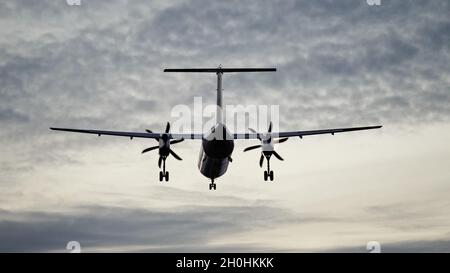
(340,63)
(98,227)
(341,60)
(413,246)
(411,216)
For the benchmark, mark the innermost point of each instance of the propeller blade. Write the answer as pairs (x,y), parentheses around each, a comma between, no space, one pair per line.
(168,127)
(254,131)
(151,132)
(261,160)
(177,141)
(281,140)
(252,148)
(175,155)
(159,162)
(277,155)
(270,127)
(150,149)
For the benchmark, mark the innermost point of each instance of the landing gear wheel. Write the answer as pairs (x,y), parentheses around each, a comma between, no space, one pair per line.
(271,175)
(167,176)
(212,186)
(265,175)
(161,176)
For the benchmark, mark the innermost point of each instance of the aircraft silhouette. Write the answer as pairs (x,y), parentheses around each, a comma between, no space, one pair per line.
(218,143)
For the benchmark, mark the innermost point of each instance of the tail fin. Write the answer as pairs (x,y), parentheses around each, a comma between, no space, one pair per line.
(219,71)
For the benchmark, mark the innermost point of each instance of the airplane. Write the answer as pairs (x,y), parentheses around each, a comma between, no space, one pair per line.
(218,143)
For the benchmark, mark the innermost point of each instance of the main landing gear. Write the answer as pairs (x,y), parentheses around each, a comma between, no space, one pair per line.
(163,174)
(268,174)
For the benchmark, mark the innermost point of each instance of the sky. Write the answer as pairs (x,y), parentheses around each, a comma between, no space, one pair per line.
(340,63)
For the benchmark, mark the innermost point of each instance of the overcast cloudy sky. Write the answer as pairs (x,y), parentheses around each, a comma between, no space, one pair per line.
(340,63)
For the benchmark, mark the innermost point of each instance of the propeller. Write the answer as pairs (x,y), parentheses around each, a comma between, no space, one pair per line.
(252,148)
(164,145)
(150,149)
(261,160)
(266,144)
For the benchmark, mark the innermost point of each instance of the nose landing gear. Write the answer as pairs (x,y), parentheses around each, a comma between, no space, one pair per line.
(212,186)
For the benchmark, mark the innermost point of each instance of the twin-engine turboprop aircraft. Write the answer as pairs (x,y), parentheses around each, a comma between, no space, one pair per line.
(218,143)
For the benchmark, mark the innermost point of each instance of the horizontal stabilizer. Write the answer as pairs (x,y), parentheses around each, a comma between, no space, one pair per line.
(220,70)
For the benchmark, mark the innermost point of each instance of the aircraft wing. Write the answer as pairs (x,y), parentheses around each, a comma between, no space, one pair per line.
(200,136)
(128,134)
(305,133)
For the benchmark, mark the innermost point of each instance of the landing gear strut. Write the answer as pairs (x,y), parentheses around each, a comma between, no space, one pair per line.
(163,174)
(212,186)
(268,174)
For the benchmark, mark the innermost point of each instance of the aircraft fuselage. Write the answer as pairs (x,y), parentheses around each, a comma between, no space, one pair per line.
(215,153)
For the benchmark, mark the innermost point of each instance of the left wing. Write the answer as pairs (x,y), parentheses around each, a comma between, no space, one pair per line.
(129,134)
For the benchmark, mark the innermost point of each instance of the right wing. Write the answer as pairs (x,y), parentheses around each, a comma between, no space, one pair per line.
(304,133)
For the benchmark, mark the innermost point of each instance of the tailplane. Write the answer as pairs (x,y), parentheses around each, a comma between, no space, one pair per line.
(219,71)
